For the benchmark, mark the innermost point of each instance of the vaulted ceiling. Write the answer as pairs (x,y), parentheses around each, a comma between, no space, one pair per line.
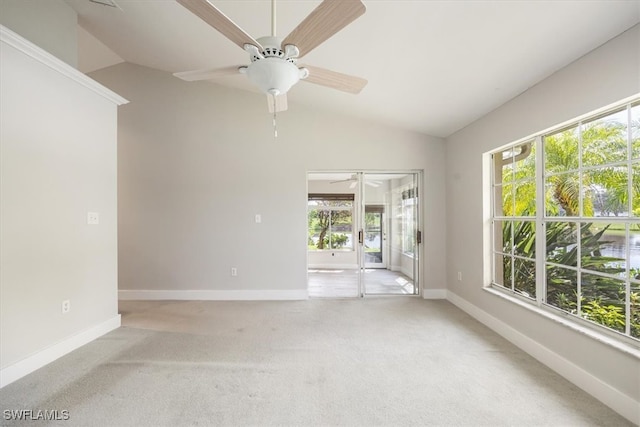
(432,66)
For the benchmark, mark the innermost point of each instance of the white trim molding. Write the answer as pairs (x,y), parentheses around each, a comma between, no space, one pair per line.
(38,360)
(621,403)
(25,46)
(214,295)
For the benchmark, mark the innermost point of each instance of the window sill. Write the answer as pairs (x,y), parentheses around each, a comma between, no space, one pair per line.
(330,250)
(623,344)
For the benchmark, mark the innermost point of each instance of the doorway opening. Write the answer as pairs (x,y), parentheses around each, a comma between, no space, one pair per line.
(363,234)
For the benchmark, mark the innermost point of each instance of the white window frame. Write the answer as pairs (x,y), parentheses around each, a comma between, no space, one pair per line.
(330,230)
(541,219)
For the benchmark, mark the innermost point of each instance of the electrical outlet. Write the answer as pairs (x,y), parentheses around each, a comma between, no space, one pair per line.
(258,218)
(234,271)
(93,218)
(66,306)
(460,276)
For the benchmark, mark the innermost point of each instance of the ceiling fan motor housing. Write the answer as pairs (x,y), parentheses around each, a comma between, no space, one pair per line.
(272,71)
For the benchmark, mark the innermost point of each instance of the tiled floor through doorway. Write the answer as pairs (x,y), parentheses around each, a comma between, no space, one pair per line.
(343,283)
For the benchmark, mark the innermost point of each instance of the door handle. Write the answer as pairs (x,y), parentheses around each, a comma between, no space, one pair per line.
(419,237)
(360,237)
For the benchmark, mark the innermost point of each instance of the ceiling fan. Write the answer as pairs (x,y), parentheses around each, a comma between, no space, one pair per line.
(273,68)
(354,181)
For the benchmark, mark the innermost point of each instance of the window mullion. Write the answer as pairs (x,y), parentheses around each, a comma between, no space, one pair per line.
(627,294)
(512,182)
(581,190)
(629,162)
(627,284)
(330,228)
(578,226)
(581,214)
(541,240)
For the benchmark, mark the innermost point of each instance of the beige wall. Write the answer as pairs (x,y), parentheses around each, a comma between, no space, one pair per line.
(608,74)
(50,24)
(58,162)
(197,161)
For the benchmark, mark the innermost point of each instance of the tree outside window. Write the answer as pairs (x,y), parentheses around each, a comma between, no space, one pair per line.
(330,221)
(589,214)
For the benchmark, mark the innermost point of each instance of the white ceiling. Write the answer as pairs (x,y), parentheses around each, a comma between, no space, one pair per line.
(432,66)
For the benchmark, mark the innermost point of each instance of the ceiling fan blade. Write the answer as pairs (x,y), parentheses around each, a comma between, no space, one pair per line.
(351,178)
(279,102)
(218,20)
(323,22)
(335,80)
(192,76)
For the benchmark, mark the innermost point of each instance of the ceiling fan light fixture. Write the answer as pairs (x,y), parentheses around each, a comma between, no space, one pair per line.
(273,75)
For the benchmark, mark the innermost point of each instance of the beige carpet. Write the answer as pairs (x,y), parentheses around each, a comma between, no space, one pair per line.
(386,361)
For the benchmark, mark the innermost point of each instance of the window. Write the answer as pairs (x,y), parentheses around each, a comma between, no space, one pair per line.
(409,200)
(514,227)
(330,221)
(566,219)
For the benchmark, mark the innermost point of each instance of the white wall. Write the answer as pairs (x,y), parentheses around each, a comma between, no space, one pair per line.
(608,74)
(197,161)
(58,134)
(50,24)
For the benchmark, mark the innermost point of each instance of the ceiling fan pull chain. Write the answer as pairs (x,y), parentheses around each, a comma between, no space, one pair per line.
(275,128)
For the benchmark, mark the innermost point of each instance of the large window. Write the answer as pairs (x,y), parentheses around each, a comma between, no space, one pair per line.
(330,221)
(566,219)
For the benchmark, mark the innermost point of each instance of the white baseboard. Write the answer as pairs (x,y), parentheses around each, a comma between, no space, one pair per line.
(44,357)
(434,293)
(616,400)
(214,295)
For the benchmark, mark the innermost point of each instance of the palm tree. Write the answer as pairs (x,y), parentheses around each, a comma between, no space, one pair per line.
(603,143)
(599,188)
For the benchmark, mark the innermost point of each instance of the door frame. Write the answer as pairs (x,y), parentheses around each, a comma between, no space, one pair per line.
(358,223)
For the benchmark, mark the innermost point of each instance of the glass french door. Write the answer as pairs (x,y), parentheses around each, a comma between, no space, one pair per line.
(363,234)
(389,234)
(375,237)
